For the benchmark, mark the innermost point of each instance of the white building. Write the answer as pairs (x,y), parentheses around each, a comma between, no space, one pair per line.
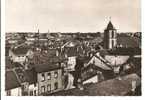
(20,54)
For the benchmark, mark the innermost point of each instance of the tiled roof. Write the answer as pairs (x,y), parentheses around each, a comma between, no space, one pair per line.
(110,26)
(125,51)
(8,62)
(31,76)
(114,87)
(20,50)
(11,80)
(103,52)
(44,57)
(46,67)
(71,51)
(127,41)
(72,43)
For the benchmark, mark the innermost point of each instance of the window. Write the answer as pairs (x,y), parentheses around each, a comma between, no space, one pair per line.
(56,86)
(8,93)
(63,65)
(31,93)
(113,43)
(48,76)
(23,87)
(35,93)
(48,88)
(42,89)
(55,74)
(112,34)
(43,76)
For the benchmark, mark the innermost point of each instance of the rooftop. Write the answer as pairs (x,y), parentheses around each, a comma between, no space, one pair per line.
(131,41)
(31,76)
(46,67)
(20,50)
(110,26)
(114,87)
(11,80)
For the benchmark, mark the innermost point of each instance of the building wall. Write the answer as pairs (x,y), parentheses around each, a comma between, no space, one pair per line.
(17,58)
(112,43)
(98,63)
(110,39)
(50,81)
(20,58)
(30,54)
(14,92)
(116,60)
(71,63)
(32,89)
(92,80)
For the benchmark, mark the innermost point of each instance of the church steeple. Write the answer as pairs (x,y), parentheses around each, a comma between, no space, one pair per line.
(110,36)
(110,26)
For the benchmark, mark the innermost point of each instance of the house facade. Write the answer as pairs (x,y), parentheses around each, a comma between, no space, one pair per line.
(14,92)
(49,79)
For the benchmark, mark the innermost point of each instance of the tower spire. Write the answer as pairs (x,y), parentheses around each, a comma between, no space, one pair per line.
(110,18)
(38,30)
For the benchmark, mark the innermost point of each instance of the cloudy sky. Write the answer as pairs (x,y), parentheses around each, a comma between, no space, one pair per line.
(71,15)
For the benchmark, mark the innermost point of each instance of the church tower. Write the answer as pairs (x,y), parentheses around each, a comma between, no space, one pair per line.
(110,36)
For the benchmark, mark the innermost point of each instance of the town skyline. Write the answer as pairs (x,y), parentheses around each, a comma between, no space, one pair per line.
(72,16)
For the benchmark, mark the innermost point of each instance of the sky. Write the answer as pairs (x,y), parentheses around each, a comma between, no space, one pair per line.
(72,15)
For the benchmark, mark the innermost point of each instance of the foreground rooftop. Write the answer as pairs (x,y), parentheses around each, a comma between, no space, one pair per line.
(112,87)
